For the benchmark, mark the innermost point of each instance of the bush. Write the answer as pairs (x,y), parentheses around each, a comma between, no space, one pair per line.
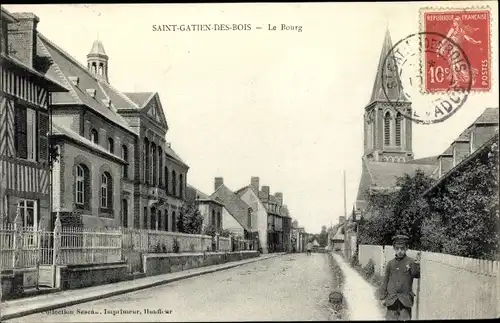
(369,268)
(176,246)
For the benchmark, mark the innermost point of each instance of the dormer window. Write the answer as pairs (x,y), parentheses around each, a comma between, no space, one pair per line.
(91,92)
(106,103)
(74,80)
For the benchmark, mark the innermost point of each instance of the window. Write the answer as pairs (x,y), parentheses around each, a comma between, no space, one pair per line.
(106,191)
(111,145)
(125,158)
(152,178)
(387,129)
(94,136)
(145,160)
(181,186)
(160,167)
(158,225)
(26,137)
(166,179)
(145,218)
(249,218)
(80,185)
(213,219)
(28,211)
(124,213)
(398,129)
(153,223)
(174,183)
(174,222)
(219,220)
(165,218)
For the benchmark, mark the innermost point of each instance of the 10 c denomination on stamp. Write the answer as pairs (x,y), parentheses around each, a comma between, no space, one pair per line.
(470,30)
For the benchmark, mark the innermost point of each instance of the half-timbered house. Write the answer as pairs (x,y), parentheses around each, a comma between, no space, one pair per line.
(25,100)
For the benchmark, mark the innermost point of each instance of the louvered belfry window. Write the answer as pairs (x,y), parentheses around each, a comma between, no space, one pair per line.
(398,130)
(387,129)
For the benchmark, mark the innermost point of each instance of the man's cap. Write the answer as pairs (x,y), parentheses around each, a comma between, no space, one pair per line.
(400,239)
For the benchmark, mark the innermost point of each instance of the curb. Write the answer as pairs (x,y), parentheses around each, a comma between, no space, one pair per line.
(63,303)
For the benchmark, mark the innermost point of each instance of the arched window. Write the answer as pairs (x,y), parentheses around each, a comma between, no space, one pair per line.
(219,220)
(181,186)
(94,136)
(387,129)
(213,219)
(125,158)
(160,167)
(166,179)
(158,225)
(174,183)
(145,160)
(153,223)
(153,164)
(94,68)
(106,191)
(145,218)
(124,213)
(165,218)
(398,129)
(82,186)
(111,145)
(174,222)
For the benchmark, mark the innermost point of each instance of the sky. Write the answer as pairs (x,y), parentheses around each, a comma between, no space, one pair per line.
(285,106)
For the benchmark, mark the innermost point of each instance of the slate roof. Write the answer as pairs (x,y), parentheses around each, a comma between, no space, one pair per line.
(234,204)
(65,66)
(490,115)
(384,175)
(395,94)
(61,130)
(97,48)
(432,160)
(140,98)
(199,195)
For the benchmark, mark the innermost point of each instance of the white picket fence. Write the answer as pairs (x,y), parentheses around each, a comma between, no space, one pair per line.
(24,247)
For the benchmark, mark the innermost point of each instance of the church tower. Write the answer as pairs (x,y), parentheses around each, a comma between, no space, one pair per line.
(97,61)
(387,133)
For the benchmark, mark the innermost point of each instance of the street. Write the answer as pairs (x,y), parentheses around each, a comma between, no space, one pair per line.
(284,288)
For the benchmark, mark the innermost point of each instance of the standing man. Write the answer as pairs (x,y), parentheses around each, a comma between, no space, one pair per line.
(309,248)
(396,291)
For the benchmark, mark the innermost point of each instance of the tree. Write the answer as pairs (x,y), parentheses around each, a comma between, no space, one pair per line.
(397,212)
(465,206)
(190,219)
(323,236)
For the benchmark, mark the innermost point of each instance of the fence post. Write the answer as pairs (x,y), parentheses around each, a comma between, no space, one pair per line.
(18,239)
(56,249)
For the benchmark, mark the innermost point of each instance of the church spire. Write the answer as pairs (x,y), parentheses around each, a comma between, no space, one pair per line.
(394,94)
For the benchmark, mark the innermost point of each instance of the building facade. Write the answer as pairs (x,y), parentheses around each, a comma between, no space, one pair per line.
(115,167)
(210,209)
(25,103)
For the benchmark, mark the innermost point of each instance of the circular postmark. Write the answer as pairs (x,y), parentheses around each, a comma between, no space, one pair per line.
(418,61)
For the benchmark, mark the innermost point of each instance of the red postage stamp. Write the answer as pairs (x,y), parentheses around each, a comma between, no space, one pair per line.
(467,30)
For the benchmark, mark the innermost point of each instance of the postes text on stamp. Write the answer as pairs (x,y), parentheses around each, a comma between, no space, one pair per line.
(468,29)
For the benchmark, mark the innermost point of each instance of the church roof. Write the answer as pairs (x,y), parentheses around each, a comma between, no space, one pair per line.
(431,160)
(97,48)
(393,94)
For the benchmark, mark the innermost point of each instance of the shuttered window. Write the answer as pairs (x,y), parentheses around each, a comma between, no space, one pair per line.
(21,139)
(43,139)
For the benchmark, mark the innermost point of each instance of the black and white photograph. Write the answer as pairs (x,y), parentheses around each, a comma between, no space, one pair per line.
(216,162)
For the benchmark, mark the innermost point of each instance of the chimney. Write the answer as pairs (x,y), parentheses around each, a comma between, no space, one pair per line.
(460,150)
(265,193)
(22,37)
(254,183)
(279,197)
(218,181)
